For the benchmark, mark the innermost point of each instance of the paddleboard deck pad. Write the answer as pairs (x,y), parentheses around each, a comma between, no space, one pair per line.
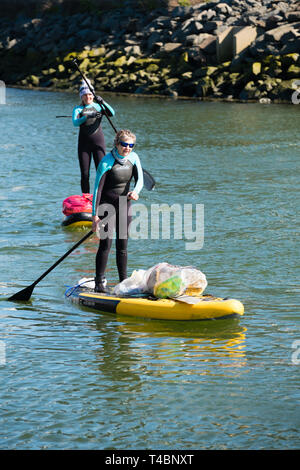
(203,307)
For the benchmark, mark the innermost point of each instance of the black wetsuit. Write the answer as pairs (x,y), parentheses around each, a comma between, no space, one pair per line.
(113,184)
(91,141)
(88,146)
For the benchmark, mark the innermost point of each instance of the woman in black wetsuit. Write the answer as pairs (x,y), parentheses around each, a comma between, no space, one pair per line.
(112,196)
(91,142)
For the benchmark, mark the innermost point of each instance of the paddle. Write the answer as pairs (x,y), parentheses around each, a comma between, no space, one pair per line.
(149,181)
(25,294)
(93,93)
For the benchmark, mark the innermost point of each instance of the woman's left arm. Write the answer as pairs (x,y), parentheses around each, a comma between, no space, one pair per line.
(103,106)
(140,178)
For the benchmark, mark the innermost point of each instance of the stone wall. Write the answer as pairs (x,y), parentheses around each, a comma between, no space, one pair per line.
(175,52)
(10,7)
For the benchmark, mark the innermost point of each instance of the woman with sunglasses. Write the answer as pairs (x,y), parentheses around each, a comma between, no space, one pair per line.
(112,195)
(87,116)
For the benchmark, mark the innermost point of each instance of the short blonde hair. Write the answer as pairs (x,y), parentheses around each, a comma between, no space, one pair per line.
(124,133)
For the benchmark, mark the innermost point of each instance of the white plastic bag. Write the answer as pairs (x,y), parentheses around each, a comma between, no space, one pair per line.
(164,281)
(135,284)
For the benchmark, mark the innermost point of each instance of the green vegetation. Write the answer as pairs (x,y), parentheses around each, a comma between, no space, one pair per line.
(184,3)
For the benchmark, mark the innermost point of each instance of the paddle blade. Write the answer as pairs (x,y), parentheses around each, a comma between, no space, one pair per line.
(23,295)
(149,181)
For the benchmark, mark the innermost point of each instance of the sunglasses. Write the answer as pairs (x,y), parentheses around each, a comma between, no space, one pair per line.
(125,144)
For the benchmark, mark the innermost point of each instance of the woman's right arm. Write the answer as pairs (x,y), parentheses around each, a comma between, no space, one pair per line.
(104,166)
(76,118)
(99,183)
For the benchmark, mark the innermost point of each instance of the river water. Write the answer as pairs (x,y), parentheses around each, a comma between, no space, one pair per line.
(77,379)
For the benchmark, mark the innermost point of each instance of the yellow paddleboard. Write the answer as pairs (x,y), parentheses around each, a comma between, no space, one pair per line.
(205,307)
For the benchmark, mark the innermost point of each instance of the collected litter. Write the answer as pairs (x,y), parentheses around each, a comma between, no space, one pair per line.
(164,281)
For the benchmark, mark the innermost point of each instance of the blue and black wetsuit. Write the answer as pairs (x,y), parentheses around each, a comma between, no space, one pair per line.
(91,139)
(112,181)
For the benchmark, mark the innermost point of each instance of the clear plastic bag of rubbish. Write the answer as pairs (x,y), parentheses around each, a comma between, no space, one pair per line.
(135,284)
(164,281)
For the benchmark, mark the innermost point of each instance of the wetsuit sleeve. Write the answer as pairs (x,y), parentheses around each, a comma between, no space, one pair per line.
(140,178)
(77,121)
(105,165)
(108,109)
(97,193)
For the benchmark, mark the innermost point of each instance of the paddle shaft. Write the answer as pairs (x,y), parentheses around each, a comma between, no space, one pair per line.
(87,235)
(25,294)
(149,180)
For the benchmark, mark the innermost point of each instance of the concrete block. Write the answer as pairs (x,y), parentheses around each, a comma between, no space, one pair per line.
(243,38)
(234,40)
(224,44)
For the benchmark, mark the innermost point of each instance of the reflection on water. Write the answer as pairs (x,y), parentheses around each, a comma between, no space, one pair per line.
(172,351)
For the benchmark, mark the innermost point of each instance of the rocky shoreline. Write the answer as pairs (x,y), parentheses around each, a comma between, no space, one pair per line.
(246,50)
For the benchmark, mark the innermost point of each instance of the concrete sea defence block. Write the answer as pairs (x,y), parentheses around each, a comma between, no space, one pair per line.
(233,41)
(243,38)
